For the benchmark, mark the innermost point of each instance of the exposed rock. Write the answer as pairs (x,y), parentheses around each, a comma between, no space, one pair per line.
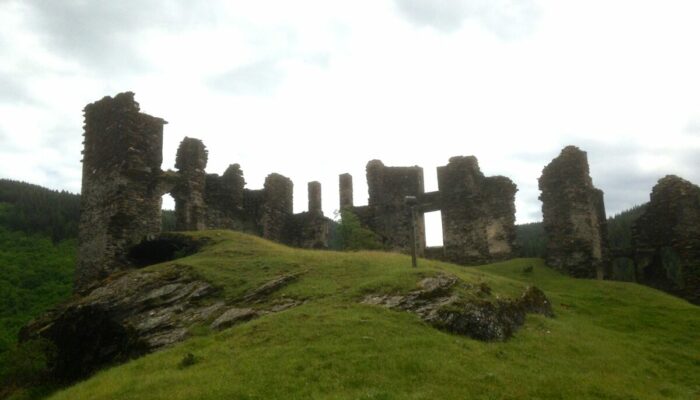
(573,215)
(233,316)
(477,318)
(127,316)
(274,285)
(666,238)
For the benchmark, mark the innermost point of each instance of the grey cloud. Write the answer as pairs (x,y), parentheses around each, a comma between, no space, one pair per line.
(507,19)
(103,35)
(12,91)
(259,78)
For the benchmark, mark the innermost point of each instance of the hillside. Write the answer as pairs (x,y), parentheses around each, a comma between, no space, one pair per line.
(38,230)
(610,340)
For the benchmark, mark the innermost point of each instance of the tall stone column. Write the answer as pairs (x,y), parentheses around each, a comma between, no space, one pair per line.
(346,195)
(191,161)
(277,206)
(573,216)
(315,206)
(120,196)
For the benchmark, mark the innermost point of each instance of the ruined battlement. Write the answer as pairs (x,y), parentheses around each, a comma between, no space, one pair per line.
(574,219)
(478,212)
(123,185)
(666,239)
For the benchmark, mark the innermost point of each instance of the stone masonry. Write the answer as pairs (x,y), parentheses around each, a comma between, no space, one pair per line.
(478,212)
(123,185)
(574,217)
(120,198)
(666,238)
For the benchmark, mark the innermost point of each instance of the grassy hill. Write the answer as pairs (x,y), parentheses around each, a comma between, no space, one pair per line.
(609,340)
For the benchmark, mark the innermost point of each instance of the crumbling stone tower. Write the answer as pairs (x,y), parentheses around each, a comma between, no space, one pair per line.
(120,196)
(191,161)
(574,217)
(478,213)
(666,238)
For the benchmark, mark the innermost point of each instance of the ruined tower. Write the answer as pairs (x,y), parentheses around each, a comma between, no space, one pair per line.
(574,217)
(478,213)
(277,206)
(666,238)
(120,196)
(191,162)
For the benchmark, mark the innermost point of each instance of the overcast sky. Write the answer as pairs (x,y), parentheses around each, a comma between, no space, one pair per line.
(312,89)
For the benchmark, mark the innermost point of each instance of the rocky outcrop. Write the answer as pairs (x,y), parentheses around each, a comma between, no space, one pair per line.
(473,315)
(666,239)
(136,312)
(128,315)
(573,215)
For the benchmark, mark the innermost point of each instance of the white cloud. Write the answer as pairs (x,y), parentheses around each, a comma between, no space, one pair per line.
(313,89)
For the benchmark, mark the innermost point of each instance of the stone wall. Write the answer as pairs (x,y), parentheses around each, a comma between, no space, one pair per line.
(574,217)
(478,212)
(666,239)
(120,196)
(123,185)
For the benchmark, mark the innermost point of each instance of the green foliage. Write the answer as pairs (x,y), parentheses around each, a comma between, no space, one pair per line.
(620,227)
(350,235)
(39,210)
(35,274)
(26,365)
(609,340)
(167,218)
(530,240)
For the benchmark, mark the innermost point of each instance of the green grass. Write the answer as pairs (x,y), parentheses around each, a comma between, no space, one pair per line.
(610,340)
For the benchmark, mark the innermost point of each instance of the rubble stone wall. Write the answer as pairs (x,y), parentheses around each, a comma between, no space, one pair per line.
(574,217)
(666,239)
(123,185)
(120,196)
(478,213)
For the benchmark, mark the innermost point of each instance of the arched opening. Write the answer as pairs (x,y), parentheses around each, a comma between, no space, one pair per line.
(167,213)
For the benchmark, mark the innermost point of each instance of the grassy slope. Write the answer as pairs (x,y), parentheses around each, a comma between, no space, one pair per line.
(610,340)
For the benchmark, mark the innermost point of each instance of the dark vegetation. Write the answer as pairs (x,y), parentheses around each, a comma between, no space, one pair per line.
(37,210)
(38,231)
(531,240)
(348,234)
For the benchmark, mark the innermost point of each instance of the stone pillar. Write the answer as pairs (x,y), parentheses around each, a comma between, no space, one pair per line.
(233,185)
(277,206)
(346,195)
(388,215)
(315,206)
(191,161)
(478,213)
(120,196)
(573,216)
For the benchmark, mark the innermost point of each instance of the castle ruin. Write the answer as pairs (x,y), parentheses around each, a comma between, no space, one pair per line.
(666,239)
(573,216)
(478,212)
(123,185)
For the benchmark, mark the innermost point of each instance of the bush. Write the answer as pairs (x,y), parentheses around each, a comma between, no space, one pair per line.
(350,235)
